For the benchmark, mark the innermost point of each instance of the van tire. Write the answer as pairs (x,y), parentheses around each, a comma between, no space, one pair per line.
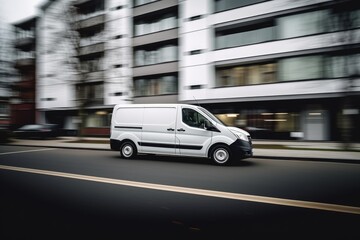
(221,155)
(128,150)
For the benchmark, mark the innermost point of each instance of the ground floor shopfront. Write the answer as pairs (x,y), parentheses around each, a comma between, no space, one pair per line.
(96,121)
(324,119)
(311,119)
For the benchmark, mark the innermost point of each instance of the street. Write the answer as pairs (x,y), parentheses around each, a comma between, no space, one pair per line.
(94,194)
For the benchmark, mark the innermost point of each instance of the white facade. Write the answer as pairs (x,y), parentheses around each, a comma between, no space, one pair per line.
(282,61)
(55,77)
(118,52)
(204,64)
(292,38)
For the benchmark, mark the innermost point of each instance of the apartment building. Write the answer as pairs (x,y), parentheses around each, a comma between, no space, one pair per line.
(23,109)
(155,46)
(281,69)
(87,68)
(7,73)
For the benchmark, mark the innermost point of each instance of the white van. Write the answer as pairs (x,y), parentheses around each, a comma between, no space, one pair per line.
(176,129)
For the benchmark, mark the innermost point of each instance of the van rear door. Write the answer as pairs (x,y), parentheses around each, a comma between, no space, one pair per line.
(158,133)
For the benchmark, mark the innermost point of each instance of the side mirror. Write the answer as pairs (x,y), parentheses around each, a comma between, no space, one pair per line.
(210,127)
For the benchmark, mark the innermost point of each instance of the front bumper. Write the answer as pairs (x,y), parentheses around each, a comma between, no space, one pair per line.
(242,149)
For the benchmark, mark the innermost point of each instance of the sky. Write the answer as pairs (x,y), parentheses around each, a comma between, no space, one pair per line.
(12,11)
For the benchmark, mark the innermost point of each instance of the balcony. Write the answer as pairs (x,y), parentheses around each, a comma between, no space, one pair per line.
(154,7)
(92,49)
(156,37)
(94,76)
(80,2)
(25,62)
(156,69)
(92,21)
(25,44)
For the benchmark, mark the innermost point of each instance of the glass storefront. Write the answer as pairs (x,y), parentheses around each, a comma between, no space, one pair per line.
(262,123)
(306,119)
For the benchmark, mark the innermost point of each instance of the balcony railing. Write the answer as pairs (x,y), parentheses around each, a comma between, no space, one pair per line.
(98,38)
(25,62)
(90,20)
(25,43)
(91,49)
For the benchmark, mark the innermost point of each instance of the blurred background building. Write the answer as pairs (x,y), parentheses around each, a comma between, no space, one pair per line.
(156,50)
(281,69)
(8,73)
(85,61)
(23,90)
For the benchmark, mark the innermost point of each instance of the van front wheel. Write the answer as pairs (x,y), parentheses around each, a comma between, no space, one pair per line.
(221,155)
(128,150)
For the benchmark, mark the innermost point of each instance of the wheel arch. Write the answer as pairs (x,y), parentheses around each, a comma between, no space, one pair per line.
(212,147)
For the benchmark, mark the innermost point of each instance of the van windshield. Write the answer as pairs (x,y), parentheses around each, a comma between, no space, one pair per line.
(211,116)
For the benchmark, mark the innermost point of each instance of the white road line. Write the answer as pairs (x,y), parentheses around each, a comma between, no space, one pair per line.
(195,191)
(27,151)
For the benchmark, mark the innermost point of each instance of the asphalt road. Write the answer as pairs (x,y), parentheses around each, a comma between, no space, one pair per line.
(49,193)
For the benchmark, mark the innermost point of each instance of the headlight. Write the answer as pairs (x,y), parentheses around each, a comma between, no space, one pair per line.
(241,136)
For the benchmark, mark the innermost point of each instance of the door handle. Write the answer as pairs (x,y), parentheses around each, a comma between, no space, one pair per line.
(181,130)
(171,129)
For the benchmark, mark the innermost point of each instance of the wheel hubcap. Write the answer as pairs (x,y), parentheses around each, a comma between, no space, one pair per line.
(221,155)
(127,151)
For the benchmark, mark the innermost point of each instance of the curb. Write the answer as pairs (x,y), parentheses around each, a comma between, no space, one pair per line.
(333,160)
(65,147)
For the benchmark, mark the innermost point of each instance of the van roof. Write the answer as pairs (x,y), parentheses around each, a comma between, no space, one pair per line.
(153,105)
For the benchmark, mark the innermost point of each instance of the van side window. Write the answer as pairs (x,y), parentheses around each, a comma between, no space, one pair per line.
(192,118)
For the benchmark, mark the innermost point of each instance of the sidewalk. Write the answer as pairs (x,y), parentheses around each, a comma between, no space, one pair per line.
(295,150)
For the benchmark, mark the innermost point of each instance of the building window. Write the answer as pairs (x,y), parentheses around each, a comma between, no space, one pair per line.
(342,66)
(289,69)
(195,52)
(297,25)
(155,24)
(301,68)
(93,64)
(4,109)
(245,35)
(223,5)
(246,75)
(116,8)
(91,8)
(91,94)
(264,123)
(151,56)
(344,19)
(156,86)
(194,18)
(302,24)
(97,119)
(93,36)
(142,2)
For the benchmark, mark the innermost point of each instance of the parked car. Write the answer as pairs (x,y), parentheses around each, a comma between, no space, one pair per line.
(40,131)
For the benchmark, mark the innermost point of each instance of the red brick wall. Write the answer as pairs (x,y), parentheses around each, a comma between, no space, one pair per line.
(103,132)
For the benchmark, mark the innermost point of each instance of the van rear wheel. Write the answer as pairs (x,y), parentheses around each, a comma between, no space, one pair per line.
(221,155)
(128,150)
